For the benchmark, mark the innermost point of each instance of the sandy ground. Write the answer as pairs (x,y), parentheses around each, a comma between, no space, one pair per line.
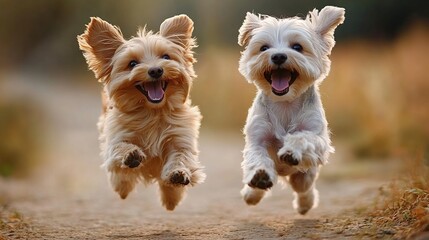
(68,197)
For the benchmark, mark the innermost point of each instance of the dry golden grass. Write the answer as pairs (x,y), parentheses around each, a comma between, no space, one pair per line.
(376,94)
(404,205)
(401,210)
(223,95)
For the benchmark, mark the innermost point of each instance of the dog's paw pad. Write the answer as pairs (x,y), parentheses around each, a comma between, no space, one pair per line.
(133,159)
(179,178)
(261,180)
(289,159)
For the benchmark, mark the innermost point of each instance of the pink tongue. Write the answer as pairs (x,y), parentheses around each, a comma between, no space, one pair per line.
(154,90)
(280,80)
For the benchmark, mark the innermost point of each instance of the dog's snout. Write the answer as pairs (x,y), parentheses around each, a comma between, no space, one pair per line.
(155,72)
(279,58)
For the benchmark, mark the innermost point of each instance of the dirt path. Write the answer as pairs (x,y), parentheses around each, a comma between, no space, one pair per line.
(69,198)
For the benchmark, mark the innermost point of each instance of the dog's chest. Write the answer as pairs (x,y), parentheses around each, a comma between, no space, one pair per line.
(284,116)
(146,130)
(152,134)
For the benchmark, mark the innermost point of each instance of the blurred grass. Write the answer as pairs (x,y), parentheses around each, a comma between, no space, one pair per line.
(376,95)
(20,130)
(223,95)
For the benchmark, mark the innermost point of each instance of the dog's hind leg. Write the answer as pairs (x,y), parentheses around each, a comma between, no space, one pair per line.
(306,194)
(252,196)
(123,181)
(122,163)
(171,195)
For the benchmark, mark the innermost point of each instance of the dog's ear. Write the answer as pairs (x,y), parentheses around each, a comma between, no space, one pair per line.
(325,22)
(245,32)
(99,43)
(178,29)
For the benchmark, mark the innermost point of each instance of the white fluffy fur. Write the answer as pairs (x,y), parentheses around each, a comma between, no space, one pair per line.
(294,123)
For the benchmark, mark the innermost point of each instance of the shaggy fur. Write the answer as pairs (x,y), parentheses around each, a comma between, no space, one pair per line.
(286,131)
(148,128)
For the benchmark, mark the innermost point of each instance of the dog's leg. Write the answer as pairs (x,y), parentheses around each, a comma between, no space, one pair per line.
(122,161)
(180,153)
(306,194)
(305,149)
(171,195)
(252,196)
(181,165)
(123,182)
(259,172)
(174,177)
(182,168)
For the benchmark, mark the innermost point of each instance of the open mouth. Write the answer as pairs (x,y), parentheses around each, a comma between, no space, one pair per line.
(153,90)
(280,79)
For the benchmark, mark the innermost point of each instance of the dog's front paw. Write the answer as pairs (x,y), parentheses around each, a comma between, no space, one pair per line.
(133,159)
(289,159)
(261,180)
(179,178)
(297,158)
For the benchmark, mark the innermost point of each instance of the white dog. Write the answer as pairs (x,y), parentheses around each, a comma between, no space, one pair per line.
(286,130)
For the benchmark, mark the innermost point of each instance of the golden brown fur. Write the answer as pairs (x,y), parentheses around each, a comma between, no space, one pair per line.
(160,135)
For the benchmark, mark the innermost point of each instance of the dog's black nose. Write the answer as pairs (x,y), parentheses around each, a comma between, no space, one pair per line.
(279,58)
(155,72)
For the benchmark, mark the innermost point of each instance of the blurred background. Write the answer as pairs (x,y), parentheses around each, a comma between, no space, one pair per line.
(375,97)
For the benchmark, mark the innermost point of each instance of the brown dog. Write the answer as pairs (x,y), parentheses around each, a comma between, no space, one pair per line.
(148,128)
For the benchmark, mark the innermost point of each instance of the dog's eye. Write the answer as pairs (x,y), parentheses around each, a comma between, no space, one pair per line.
(165,56)
(297,47)
(133,63)
(264,48)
